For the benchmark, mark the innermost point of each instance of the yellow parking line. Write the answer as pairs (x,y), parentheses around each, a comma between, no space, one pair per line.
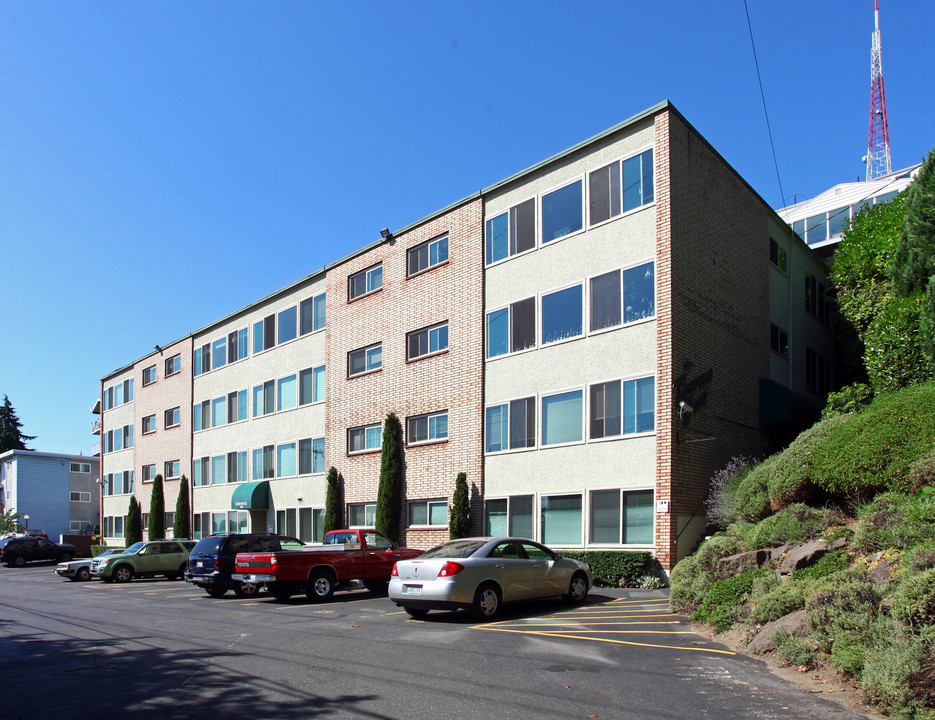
(607,640)
(667,622)
(621,632)
(605,617)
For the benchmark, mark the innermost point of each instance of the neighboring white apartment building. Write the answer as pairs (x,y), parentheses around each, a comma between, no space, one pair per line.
(821,221)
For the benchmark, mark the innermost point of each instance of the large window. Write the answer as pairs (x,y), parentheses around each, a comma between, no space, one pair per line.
(287,324)
(427,341)
(511,425)
(626,296)
(219,353)
(201,362)
(237,345)
(201,415)
(365,281)
(815,299)
(561,418)
(364,438)
(639,405)
(236,406)
(778,340)
(562,314)
(218,470)
(512,232)
(638,181)
(512,328)
(312,385)
(817,372)
(219,411)
(562,211)
(361,514)
(286,393)
(311,456)
(777,255)
(149,375)
(263,463)
(264,334)
(427,428)
(561,519)
(237,466)
(429,512)
(285,460)
(509,516)
(608,197)
(312,314)
(625,518)
(605,409)
(311,524)
(428,254)
(264,398)
(365,360)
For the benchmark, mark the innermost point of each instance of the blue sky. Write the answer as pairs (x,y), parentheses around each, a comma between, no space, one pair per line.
(163,164)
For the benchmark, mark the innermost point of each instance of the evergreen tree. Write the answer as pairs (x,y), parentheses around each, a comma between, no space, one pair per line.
(459,518)
(11,437)
(182,528)
(134,530)
(390,494)
(157,512)
(333,502)
(914,264)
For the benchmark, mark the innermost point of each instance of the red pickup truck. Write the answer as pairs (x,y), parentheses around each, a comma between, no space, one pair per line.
(319,570)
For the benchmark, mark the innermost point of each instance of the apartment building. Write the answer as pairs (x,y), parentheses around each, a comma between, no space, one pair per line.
(589,340)
(54,492)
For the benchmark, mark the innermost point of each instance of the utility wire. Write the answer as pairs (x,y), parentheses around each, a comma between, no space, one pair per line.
(763,97)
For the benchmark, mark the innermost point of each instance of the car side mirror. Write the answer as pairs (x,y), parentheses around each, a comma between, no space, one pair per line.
(557,556)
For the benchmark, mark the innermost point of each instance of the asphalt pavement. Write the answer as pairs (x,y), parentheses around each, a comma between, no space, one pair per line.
(165,649)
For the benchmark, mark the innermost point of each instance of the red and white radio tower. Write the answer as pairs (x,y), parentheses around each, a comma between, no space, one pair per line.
(878,142)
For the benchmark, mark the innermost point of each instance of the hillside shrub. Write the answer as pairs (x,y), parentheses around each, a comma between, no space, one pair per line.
(827,564)
(914,601)
(922,557)
(751,497)
(794,650)
(922,472)
(690,578)
(792,478)
(615,568)
(891,673)
(847,655)
(724,601)
(795,524)
(846,608)
(722,508)
(849,399)
(893,354)
(895,520)
(875,448)
(778,602)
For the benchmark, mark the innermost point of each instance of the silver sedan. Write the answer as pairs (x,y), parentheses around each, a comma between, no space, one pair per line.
(480,574)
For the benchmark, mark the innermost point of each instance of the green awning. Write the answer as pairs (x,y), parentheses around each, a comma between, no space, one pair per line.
(251,496)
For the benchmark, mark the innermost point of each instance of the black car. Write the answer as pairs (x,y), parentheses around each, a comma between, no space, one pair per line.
(212,560)
(18,551)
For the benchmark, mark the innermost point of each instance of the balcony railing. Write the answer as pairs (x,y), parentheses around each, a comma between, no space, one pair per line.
(96,427)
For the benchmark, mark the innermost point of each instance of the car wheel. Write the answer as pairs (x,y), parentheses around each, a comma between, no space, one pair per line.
(180,575)
(417,613)
(216,592)
(67,557)
(280,593)
(577,589)
(486,602)
(246,589)
(83,574)
(377,587)
(320,586)
(122,574)
(19,561)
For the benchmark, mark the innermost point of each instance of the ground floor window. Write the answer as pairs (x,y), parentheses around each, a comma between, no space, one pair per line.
(561,519)
(311,524)
(286,522)
(77,526)
(361,514)
(428,512)
(509,516)
(622,517)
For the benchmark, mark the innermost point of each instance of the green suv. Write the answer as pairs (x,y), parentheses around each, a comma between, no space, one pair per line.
(144,559)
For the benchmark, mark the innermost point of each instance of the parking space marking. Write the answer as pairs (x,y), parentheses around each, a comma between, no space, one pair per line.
(606,622)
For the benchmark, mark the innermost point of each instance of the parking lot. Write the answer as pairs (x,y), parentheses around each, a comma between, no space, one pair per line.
(164,648)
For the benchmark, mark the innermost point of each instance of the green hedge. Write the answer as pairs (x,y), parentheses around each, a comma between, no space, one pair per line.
(615,568)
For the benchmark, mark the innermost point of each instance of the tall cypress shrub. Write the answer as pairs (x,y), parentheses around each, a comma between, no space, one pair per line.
(182,528)
(459,519)
(134,530)
(157,511)
(390,495)
(333,502)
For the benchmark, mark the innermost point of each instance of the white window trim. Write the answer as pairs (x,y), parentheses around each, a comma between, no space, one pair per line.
(175,424)
(428,244)
(173,477)
(143,473)
(172,357)
(155,376)
(428,330)
(509,332)
(226,363)
(429,441)
(508,449)
(583,178)
(364,505)
(347,438)
(536,231)
(314,330)
(540,341)
(278,324)
(155,426)
(621,490)
(295,444)
(428,514)
(622,436)
(79,493)
(294,375)
(365,272)
(540,417)
(620,160)
(364,351)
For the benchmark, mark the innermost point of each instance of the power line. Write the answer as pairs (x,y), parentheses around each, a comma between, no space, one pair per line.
(763,97)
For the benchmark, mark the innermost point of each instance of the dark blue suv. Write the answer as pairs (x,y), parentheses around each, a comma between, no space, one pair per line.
(212,560)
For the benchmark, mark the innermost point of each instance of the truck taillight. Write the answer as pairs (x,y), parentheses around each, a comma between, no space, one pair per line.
(217,562)
(450,568)
(273,561)
(395,572)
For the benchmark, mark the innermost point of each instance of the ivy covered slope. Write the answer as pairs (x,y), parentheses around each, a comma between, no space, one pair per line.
(828,559)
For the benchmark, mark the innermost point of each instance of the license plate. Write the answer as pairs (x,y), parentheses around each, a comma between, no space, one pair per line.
(198,563)
(412,589)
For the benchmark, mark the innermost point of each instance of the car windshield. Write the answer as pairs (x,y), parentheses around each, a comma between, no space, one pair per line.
(4,541)
(134,548)
(455,549)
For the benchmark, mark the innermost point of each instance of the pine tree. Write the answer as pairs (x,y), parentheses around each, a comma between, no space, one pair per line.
(914,264)
(11,437)
(333,503)
(390,494)
(459,518)
(182,528)
(134,531)
(157,512)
